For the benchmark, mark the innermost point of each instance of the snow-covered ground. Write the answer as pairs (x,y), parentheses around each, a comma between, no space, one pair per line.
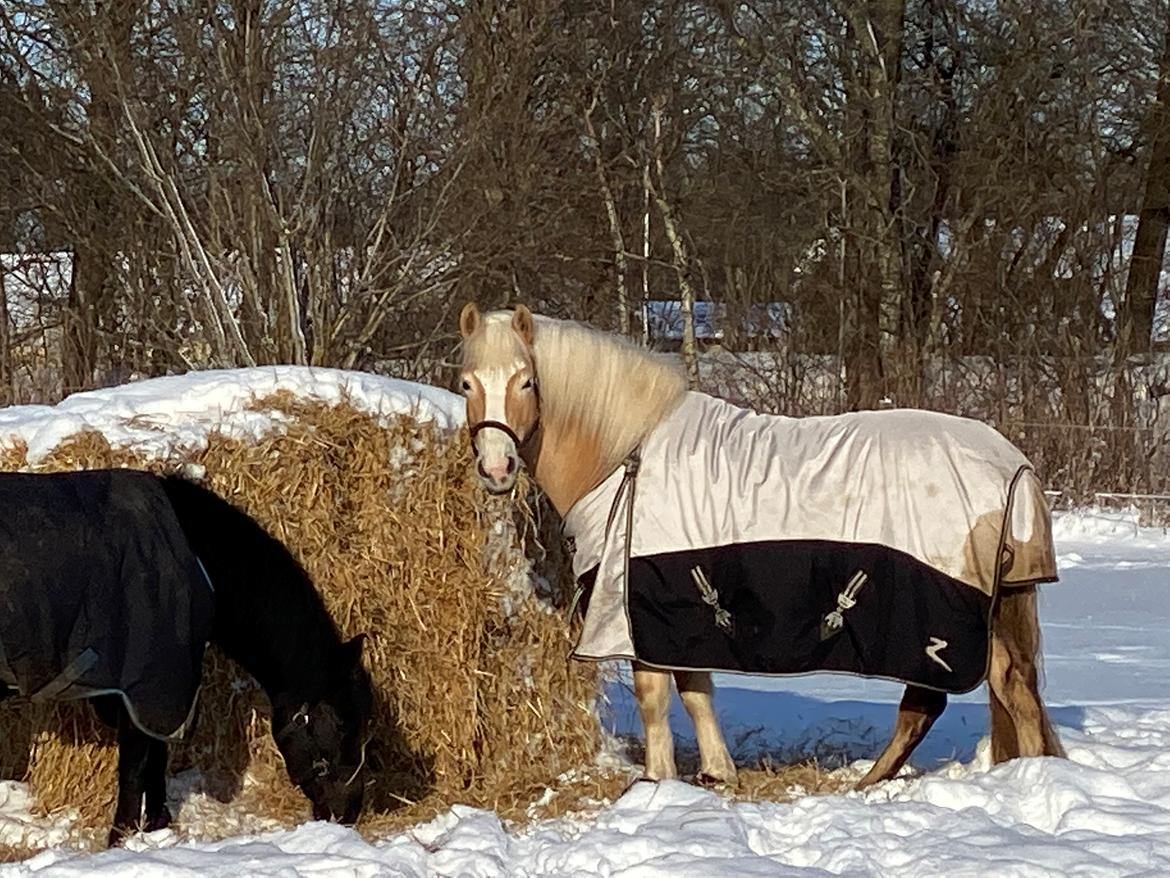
(1104,811)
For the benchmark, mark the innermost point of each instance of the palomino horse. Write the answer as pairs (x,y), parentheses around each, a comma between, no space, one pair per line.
(602,403)
(114,582)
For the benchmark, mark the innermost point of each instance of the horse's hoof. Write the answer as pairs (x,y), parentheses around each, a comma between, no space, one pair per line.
(161,820)
(117,836)
(639,780)
(869,780)
(711,782)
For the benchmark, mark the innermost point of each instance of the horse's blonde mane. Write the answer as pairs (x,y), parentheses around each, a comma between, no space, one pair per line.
(594,382)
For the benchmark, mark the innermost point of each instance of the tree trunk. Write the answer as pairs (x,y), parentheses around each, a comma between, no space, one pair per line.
(98,242)
(7,390)
(646,251)
(682,259)
(884,36)
(678,246)
(1149,246)
(873,318)
(620,266)
(79,327)
(927,275)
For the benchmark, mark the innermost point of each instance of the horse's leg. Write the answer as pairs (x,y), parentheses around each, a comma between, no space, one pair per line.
(652,689)
(1014,678)
(697,693)
(158,816)
(916,714)
(133,756)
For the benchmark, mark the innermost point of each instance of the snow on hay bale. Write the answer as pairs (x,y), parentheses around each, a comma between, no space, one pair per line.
(369,484)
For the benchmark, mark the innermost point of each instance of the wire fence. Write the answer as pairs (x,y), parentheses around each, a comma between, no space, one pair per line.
(1096,431)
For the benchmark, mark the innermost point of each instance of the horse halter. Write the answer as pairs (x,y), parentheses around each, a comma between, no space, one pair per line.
(478,426)
(299,724)
(296,727)
(500,425)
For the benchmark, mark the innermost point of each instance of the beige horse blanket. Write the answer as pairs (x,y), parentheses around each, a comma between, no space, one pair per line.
(870,543)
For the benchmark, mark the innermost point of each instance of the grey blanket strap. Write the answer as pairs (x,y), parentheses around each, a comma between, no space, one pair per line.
(632,463)
(578,593)
(73,671)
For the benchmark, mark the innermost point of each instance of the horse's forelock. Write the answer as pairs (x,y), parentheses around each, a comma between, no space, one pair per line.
(493,343)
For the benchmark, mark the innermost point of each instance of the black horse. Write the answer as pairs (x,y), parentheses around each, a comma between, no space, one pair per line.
(112,582)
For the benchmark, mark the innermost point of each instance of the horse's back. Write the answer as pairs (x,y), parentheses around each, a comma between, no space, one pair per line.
(951,491)
(55,525)
(947,463)
(890,437)
(101,592)
(120,492)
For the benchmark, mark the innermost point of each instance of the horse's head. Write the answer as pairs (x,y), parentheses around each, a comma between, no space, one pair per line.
(499,382)
(324,743)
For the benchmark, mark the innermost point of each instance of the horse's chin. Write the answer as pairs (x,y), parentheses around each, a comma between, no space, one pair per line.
(344,810)
(499,490)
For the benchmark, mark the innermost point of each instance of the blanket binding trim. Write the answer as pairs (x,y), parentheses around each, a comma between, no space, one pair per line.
(632,463)
(177,735)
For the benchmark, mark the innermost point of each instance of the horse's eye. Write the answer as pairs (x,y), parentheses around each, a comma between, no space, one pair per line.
(466,385)
(527,385)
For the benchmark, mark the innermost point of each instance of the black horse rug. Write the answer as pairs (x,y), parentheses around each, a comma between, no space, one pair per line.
(871,543)
(100,593)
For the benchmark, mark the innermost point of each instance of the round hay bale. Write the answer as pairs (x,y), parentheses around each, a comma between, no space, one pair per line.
(476,699)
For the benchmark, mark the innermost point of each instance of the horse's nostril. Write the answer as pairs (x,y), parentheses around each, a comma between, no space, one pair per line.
(479,466)
(511,465)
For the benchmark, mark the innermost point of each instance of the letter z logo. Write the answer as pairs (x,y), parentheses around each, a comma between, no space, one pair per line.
(937,645)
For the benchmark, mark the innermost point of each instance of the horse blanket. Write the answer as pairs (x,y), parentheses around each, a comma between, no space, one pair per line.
(100,593)
(870,543)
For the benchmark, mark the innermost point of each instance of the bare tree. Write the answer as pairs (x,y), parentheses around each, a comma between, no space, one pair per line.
(7,391)
(620,265)
(1149,247)
(682,257)
(938,196)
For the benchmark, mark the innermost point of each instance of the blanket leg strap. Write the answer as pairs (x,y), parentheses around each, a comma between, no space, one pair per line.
(73,671)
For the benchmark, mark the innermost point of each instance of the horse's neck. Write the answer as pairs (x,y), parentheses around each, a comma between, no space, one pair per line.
(567,465)
(268,616)
(607,410)
(275,633)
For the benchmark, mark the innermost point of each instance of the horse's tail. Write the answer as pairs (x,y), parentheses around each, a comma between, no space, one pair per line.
(1004,744)
(1020,725)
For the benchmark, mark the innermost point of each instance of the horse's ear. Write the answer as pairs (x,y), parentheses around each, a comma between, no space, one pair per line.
(352,648)
(468,319)
(522,323)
